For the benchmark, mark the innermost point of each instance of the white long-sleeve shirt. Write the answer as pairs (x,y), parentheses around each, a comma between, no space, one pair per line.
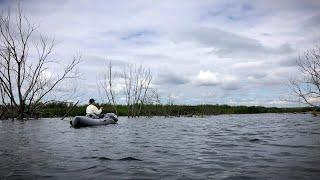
(92,109)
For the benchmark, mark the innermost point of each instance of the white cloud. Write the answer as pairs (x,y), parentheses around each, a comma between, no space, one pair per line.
(207,78)
(314,100)
(248,65)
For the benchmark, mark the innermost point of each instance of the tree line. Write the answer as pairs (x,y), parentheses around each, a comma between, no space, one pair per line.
(167,110)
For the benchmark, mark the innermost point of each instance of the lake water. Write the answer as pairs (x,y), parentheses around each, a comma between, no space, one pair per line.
(262,146)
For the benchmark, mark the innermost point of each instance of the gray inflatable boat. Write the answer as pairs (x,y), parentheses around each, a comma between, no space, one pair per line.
(84,121)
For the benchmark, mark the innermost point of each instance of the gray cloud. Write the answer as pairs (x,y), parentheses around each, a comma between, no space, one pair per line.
(231,86)
(228,44)
(311,24)
(258,75)
(171,79)
(289,62)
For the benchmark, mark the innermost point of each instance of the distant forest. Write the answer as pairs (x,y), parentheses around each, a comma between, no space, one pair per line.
(62,109)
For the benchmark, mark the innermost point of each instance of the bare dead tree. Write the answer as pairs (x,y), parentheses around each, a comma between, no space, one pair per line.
(307,89)
(152,97)
(137,84)
(3,104)
(128,78)
(24,80)
(108,87)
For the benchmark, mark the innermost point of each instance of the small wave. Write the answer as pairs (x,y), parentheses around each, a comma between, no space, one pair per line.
(313,170)
(96,157)
(91,157)
(129,159)
(292,146)
(240,177)
(281,154)
(254,140)
(77,169)
(109,159)
(7,175)
(104,159)
(227,145)
(91,167)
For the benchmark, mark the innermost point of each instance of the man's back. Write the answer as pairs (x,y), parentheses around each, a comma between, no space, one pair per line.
(92,109)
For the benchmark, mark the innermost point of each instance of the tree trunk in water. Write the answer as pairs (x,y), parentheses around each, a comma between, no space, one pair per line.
(21,111)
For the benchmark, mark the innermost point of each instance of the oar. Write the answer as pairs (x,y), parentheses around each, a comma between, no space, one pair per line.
(70,110)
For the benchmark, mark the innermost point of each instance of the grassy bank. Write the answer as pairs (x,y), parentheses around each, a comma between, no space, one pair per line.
(60,109)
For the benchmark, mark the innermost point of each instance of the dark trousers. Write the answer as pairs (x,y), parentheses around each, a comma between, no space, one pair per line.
(94,116)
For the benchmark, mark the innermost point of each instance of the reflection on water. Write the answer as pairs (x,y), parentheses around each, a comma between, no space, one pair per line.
(281,146)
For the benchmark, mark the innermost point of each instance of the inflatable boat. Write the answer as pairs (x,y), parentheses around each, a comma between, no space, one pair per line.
(85,121)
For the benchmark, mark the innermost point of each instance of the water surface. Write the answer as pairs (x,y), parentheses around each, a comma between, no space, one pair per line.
(263,146)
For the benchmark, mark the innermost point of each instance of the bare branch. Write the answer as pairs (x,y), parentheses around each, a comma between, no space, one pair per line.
(307,89)
(23,80)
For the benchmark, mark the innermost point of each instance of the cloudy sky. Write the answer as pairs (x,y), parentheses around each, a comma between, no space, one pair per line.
(219,51)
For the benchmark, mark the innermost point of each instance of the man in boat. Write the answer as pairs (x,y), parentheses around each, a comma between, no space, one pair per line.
(92,110)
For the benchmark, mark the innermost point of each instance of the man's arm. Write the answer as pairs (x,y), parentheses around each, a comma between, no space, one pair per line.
(97,111)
